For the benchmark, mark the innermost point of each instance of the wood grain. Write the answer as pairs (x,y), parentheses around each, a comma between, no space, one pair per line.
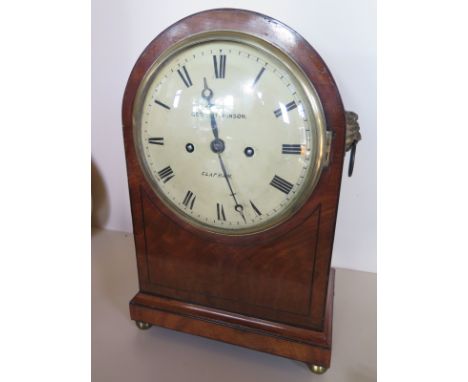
(209,284)
(312,347)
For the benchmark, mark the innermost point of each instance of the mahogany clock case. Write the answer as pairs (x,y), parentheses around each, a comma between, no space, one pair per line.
(271,291)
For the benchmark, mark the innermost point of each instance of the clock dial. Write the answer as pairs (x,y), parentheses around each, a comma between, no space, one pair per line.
(229,135)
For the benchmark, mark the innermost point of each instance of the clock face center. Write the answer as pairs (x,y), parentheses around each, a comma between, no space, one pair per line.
(217,146)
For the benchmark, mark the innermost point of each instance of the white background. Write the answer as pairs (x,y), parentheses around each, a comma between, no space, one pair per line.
(422,190)
(344,34)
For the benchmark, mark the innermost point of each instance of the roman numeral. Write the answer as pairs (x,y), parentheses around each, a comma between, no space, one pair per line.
(291,149)
(290,106)
(220,70)
(185,76)
(281,184)
(257,211)
(258,76)
(162,104)
(156,141)
(166,174)
(189,199)
(220,210)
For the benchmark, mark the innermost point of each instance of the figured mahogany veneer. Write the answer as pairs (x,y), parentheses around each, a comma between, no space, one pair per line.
(271,291)
(312,347)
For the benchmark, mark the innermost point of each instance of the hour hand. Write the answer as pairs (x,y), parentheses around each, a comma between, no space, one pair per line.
(214,128)
(206,93)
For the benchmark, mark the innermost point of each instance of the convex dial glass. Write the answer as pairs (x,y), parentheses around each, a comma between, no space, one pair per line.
(229,134)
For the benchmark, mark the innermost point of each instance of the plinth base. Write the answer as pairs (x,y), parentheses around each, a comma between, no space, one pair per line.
(310,346)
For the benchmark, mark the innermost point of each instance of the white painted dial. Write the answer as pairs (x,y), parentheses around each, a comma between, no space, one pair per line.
(228,135)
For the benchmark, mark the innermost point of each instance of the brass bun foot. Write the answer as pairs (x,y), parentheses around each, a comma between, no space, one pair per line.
(316,369)
(143,325)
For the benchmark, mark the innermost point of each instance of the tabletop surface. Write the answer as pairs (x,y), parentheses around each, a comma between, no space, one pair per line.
(122,352)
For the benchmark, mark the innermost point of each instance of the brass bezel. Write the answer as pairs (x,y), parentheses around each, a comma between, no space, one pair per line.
(314,105)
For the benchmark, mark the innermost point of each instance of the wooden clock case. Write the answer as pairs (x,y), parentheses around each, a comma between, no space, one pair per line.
(271,291)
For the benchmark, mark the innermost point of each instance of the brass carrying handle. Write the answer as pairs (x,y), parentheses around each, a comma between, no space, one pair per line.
(353,136)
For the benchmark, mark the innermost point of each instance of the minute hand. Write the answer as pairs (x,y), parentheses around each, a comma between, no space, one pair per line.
(238,207)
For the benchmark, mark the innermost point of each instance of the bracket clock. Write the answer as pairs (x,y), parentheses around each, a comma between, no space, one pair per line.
(235,136)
